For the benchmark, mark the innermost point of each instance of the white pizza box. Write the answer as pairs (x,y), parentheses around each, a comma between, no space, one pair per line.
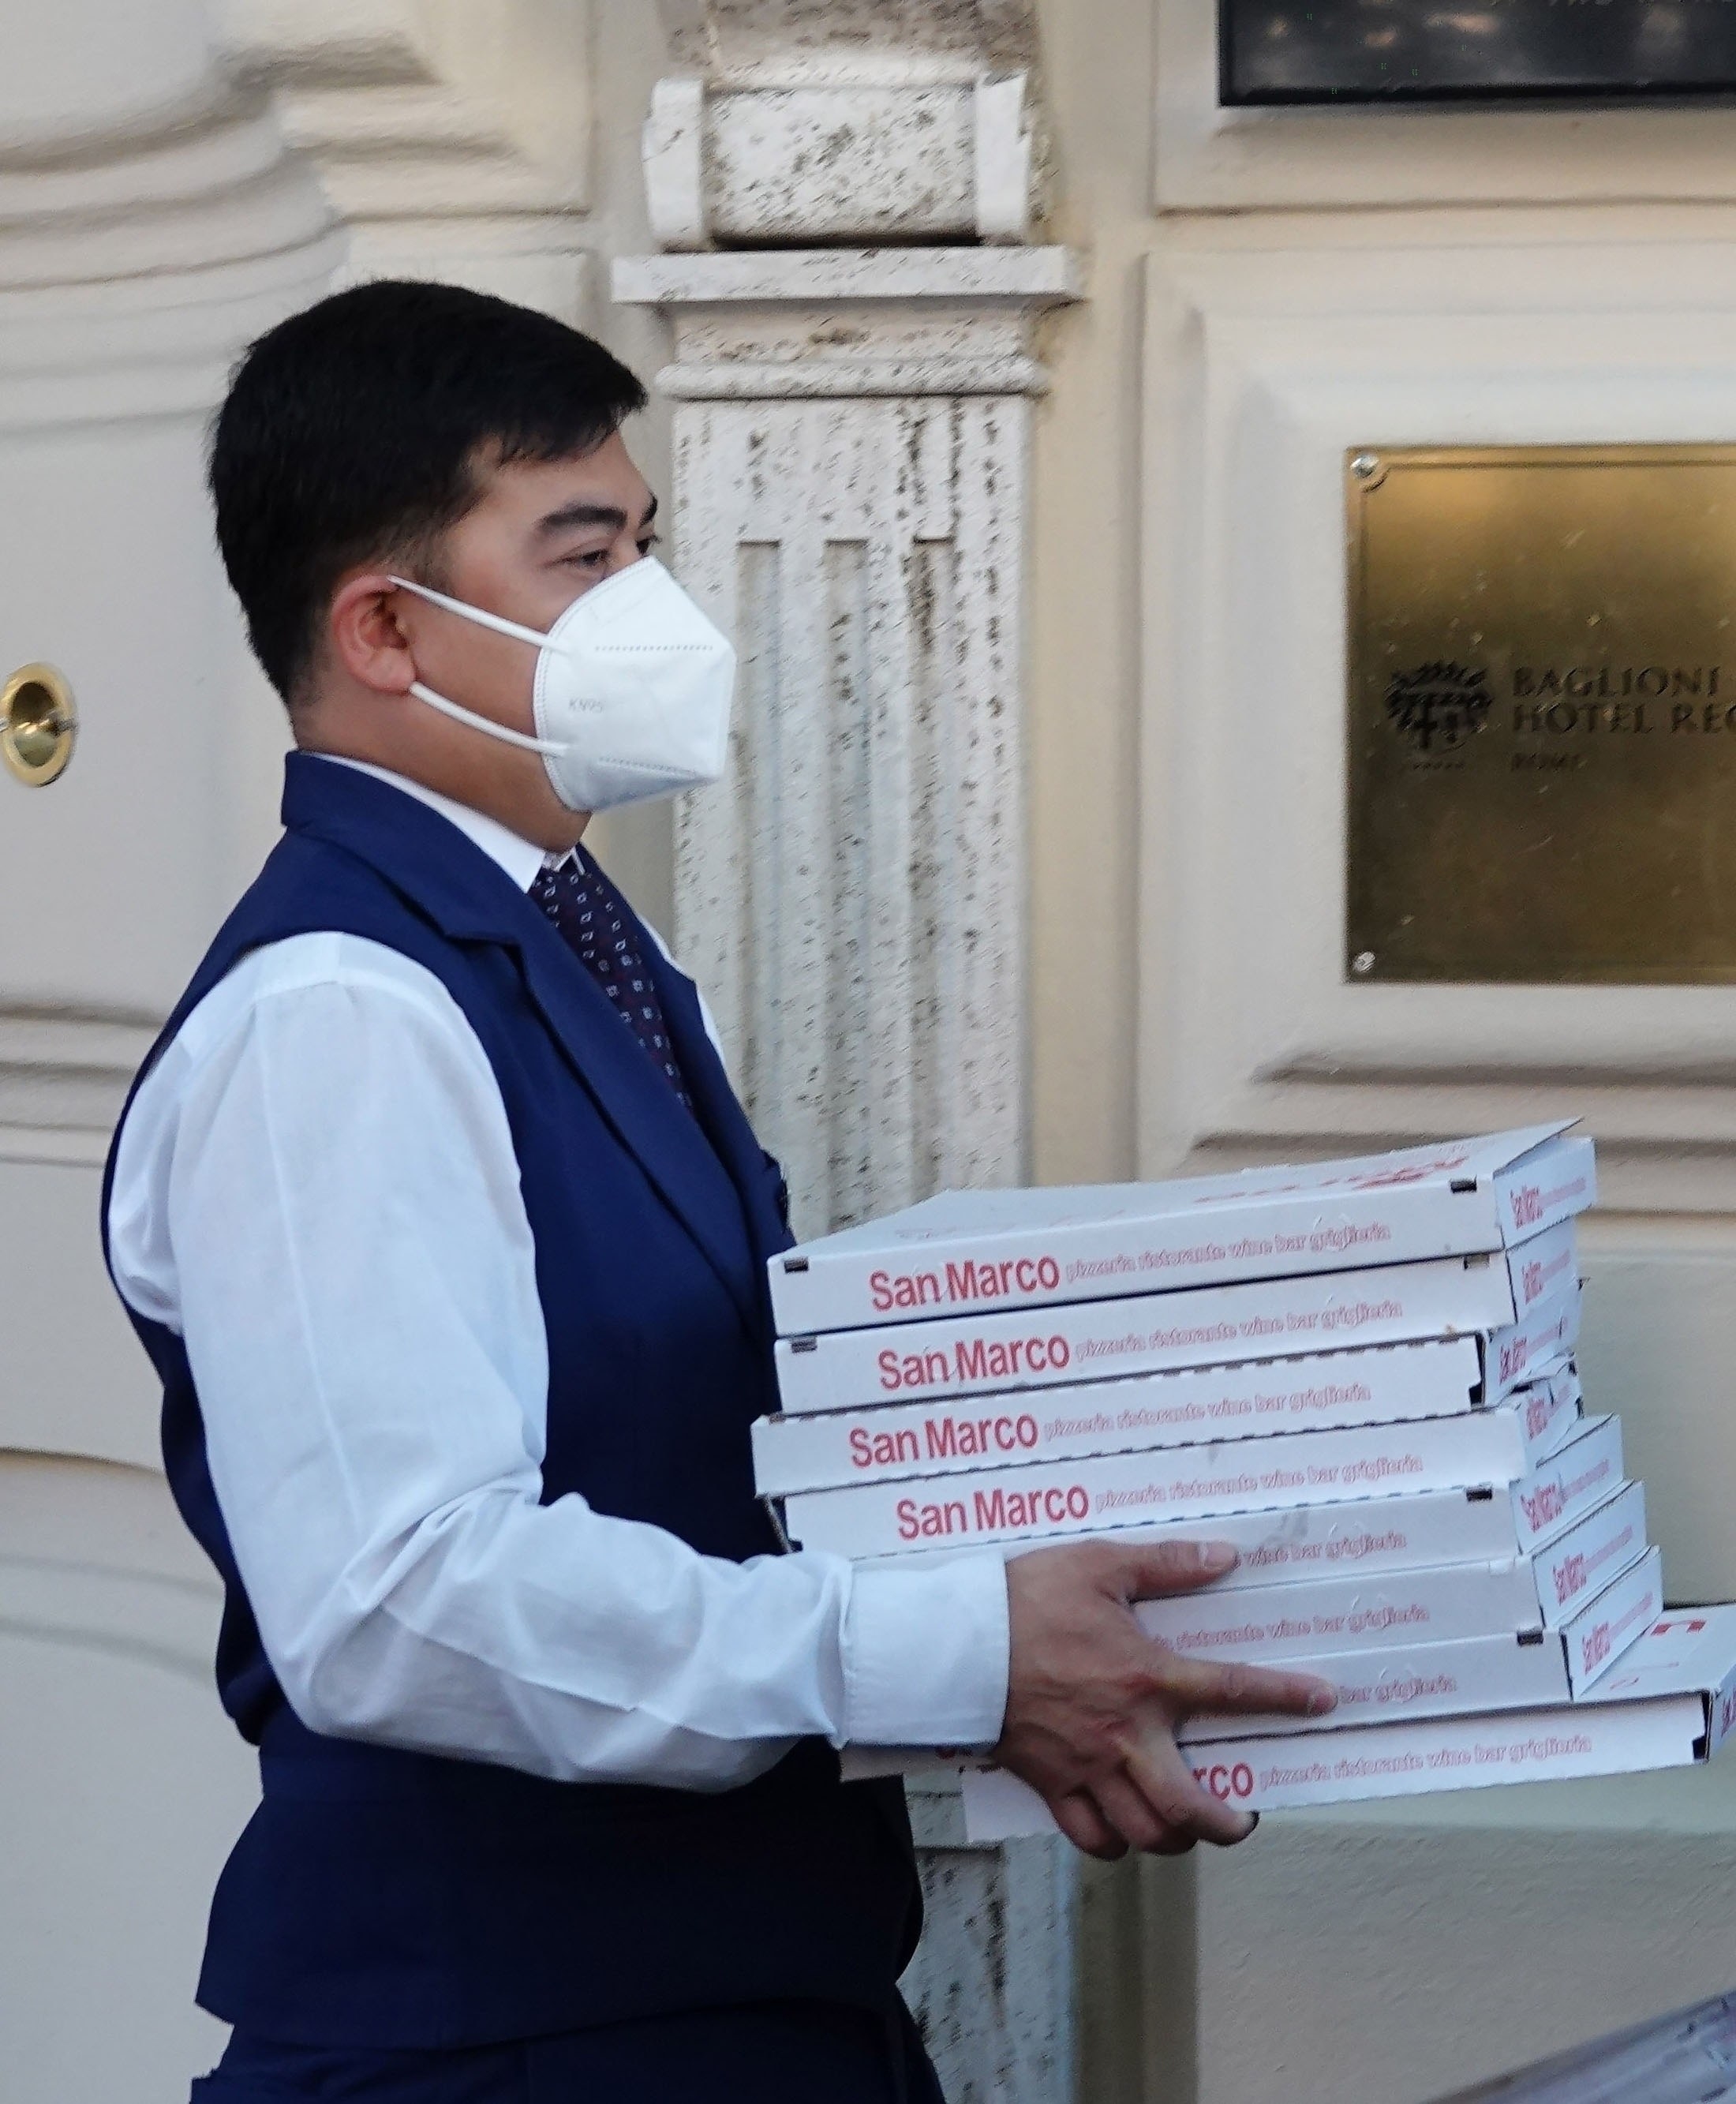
(1541,1339)
(1216,1325)
(1581,1559)
(1613,1622)
(1391,1383)
(821,1449)
(1350,1611)
(1670,1701)
(1579,1475)
(1413,1759)
(1461,1676)
(1094,1495)
(1037,1248)
(1688,1650)
(1409,1759)
(1354,1610)
(1374,1538)
(1549,1409)
(1508,1669)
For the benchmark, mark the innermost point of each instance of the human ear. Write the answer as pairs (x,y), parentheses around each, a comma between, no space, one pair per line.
(367,636)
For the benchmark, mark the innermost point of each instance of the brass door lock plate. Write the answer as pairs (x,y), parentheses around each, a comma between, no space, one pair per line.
(39,723)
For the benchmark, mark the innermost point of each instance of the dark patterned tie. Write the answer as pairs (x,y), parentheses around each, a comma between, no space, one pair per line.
(590,913)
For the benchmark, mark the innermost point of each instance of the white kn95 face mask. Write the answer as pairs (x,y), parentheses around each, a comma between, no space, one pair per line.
(632,691)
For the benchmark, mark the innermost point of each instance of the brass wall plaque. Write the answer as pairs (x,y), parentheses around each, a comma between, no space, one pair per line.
(1542,714)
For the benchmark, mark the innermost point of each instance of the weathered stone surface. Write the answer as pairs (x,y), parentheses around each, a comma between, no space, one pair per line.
(800,124)
(991,1984)
(850,475)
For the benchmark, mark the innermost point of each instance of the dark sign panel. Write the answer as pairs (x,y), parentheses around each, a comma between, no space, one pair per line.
(1542,714)
(1396,51)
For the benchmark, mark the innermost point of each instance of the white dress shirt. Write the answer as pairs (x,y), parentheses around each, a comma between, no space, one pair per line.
(316,1190)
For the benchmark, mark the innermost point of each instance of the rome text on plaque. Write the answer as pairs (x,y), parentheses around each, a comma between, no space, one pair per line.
(1403,50)
(1542,690)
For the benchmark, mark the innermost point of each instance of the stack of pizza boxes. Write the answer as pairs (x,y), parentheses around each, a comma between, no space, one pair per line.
(1361,1373)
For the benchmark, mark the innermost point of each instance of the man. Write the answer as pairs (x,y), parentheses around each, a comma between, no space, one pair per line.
(436,1213)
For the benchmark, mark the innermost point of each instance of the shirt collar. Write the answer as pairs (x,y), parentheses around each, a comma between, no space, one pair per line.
(522,861)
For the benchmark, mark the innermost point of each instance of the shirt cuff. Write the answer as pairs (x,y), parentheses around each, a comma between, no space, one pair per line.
(925,1654)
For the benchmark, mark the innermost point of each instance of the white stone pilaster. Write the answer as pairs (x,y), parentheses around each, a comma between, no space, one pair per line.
(851,190)
(991,1984)
(851,432)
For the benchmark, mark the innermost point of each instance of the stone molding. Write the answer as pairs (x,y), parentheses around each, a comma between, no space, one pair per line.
(451,142)
(140,248)
(1212,158)
(65,1073)
(773,43)
(131,1589)
(807,323)
(158,212)
(288,147)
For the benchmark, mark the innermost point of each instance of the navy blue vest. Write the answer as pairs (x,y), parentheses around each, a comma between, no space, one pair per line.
(384,1898)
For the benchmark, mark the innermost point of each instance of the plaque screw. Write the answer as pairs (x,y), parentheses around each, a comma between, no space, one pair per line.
(1365,464)
(1363,963)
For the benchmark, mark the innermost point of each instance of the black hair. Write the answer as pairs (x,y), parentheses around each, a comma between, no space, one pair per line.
(353,431)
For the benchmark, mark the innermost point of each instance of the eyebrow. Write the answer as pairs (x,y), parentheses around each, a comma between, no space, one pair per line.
(611,515)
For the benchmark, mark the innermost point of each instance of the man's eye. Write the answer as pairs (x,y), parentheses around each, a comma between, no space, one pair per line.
(649,541)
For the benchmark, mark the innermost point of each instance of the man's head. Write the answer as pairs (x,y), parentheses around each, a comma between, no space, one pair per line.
(450,438)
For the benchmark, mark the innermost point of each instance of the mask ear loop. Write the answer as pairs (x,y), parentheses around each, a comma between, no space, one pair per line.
(499,730)
(501,626)
(480,615)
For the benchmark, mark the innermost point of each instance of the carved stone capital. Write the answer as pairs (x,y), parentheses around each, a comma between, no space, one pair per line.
(796,125)
(948,161)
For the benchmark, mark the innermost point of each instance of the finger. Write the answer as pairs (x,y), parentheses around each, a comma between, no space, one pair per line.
(1159,1768)
(1130,1813)
(1086,1827)
(1199,1687)
(1174,1566)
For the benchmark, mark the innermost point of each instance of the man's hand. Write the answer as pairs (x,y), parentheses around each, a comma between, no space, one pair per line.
(1092,1702)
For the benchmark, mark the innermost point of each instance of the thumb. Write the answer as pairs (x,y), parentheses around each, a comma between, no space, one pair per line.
(1175,1567)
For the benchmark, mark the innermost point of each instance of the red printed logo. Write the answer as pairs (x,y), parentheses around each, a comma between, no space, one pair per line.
(973,1361)
(1225,1782)
(1595,1647)
(1543,1505)
(1528,1205)
(1570,1578)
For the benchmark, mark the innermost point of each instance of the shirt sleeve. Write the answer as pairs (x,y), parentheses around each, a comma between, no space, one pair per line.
(351,1266)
